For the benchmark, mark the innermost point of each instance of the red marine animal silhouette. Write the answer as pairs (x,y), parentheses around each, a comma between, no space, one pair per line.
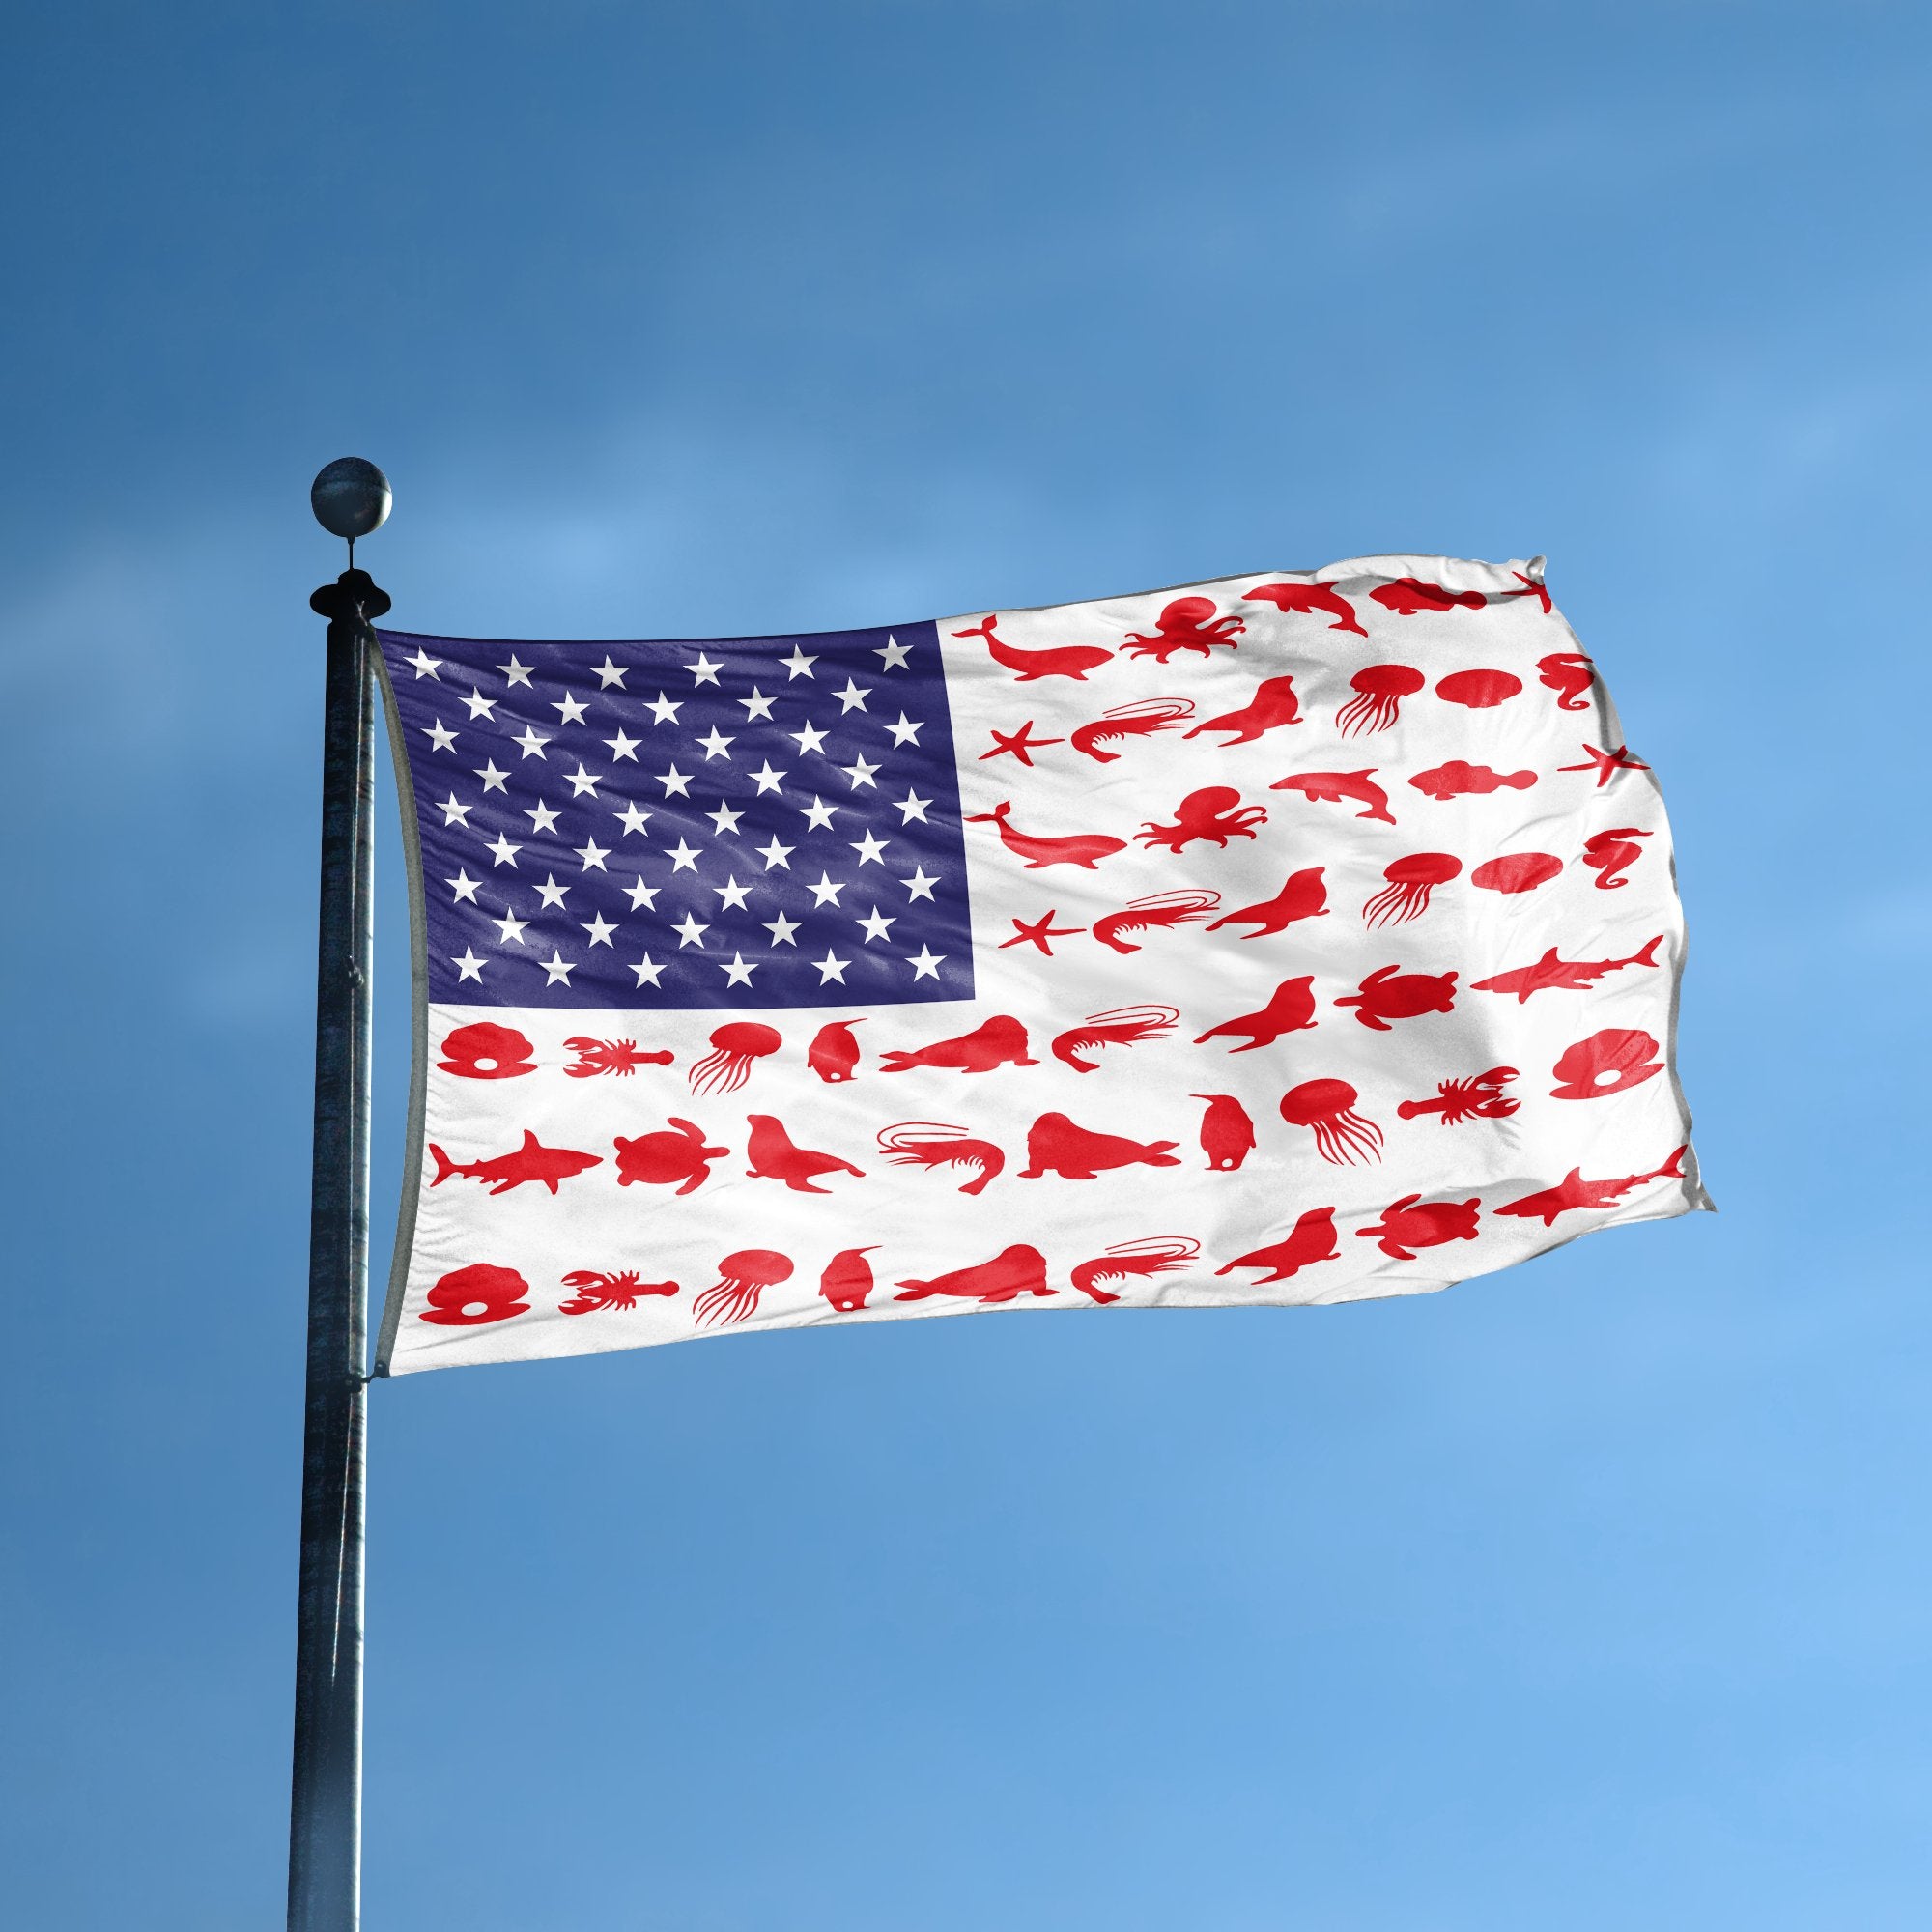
(597,1291)
(1072,660)
(1056,1145)
(610,1056)
(833,1053)
(1405,1226)
(1459,778)
(1342,1136)
(1020,744)
(482,1051)
(1391,994)
(1516,871)
(657,1161)
(1311,1240)
(1606,764)
(935,1144)
(1157,911)
(1569,674)
(1334,786)
(1479,689)
(733,1048)
(1290,1008)
(1303,896)
(1377,704)
(1530,589)
(1188,624)
(1475,1098)
(1013,1272)
(1610,1061)
(1272,706)
(1082,848)
(1408,595)
(481,1292)
(1551,975)
(774,1157)
(1572,1192)
(1308,599)
(999,1042)
(847,1280)
(1227,1133)
(1410,881)
(1610,854)
(1132,1261)
(742,1277)
(1214,814)
(1041,932)
(532,1161)
(1120,1026)
(1138,720)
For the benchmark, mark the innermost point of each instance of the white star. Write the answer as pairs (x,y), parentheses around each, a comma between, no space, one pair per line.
(479,705)
(798,664)
(905,732)
(609,674)
(894,654)
(647,970)
(868,848)
(551,892)
(875,924)
(515,672)
(511,927)
(622,746)
(819,815)
(852,697)
(634,817)
(581,781)
(664,710)
(683,857)
(926,963)
(738,973)
(469,967)
(531,740)
(919,886)
(675,782)
(592,855)
(690,932)
(765,779)
(440,737)
(811,739)
(555,969)
(464,886)
(600,929)
(782,929)
(725,819)
(911,807)
(858,774)
(643,895)
(825,893)
(570,710)
(492,776)
(716,744)
(542,818)
(757,706)
(455,811)
(426,665)
(506,853)
(705,672)
(775,854)
(830,967)
(732,893)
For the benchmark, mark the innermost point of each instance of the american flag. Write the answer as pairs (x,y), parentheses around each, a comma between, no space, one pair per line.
(1295,937)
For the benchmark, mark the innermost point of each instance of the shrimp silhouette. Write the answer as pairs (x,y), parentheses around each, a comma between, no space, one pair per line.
(1155,912)
(1138,720)
(833,1053)
(1307,600)
(998,1042)
(1303,896)
(774,1157)
(1333,787)
(1290,1008)
(1072,660)
(1132,1261)
(1120,1026)
(1273,705)
(1188,624)
(1085,849)
(1311,1240)
(1227,1133)
(1610,854)
(938,1143)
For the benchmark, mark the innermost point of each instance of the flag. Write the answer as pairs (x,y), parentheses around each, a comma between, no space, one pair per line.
(1293,938)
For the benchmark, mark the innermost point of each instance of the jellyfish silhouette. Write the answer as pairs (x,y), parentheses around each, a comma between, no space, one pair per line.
(737,1043)
(1342,1135)
(1379,690)
(742,1277)
(1410,881)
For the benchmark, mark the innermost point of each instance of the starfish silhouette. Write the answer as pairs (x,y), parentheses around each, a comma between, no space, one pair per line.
(1531,588)
(1018,744)
(1040,932)
(1606,764)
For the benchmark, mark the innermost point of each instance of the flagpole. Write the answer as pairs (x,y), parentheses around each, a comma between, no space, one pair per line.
(350,498)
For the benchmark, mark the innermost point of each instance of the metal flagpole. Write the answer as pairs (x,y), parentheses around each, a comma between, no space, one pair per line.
(350,498)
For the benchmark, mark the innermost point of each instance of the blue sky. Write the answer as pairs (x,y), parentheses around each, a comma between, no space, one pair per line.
(1588,1595)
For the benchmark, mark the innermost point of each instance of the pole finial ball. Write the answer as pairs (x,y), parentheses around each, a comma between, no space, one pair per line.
(350,497)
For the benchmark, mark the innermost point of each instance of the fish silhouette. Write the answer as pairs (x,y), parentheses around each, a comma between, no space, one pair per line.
(1550,973)
(532,1161)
